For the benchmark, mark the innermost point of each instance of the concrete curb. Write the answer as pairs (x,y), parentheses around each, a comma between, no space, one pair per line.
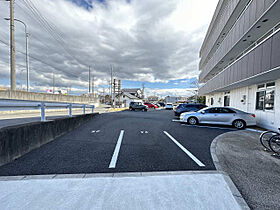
(236,194)
(96,175)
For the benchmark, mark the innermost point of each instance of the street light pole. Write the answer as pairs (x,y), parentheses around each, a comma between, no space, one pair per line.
(12,46)
(26,53)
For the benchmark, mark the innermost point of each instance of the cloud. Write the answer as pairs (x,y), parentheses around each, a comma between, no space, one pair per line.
(144,40)
(185,92)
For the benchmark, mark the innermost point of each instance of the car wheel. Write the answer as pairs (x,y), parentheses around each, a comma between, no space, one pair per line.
(130,109)
(193,121)
(239,124)
(153,107)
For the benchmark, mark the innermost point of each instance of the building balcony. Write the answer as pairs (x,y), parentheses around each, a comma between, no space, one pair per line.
(255,21)
(259,65)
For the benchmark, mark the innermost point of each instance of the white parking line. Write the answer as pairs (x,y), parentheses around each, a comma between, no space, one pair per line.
(198,162)
(174,120)
(251,129)
(116,151)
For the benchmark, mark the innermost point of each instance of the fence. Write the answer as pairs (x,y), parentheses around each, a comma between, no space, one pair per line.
(11,104)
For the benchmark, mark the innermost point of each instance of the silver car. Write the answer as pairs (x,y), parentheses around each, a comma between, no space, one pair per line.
(221,116)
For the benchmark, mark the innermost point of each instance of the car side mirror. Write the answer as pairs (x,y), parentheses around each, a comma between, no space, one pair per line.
(202,112)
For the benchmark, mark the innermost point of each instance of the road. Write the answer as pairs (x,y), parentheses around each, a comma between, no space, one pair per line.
(11,119)
(122,142)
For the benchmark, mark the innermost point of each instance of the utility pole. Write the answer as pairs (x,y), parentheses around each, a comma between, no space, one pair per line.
(111,84)
(119,92)
(12,46)
(53,83)
(143,90)
(27,61)
(114,93)
(92,85)
(89,78)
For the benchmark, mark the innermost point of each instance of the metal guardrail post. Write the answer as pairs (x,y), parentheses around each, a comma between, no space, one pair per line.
(43,113)
(70,110)
(84,109)
(92,108)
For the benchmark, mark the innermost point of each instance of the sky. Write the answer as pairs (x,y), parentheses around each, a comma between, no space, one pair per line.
(150,42)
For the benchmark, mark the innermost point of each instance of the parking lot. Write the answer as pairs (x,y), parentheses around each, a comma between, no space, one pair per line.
(125,141)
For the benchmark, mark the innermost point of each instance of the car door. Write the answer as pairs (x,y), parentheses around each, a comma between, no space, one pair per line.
(209,116)
(225,116)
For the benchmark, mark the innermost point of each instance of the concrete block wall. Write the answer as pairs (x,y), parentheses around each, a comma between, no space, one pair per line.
(32,96)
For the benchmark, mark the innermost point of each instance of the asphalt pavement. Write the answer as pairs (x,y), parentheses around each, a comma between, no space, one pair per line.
(254,171)
(122,142)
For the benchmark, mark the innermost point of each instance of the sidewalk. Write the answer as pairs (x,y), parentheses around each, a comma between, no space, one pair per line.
(254,171)
(137,191)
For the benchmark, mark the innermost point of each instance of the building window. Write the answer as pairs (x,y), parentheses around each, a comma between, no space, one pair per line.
(260,100)
(227,99)
(265,96)
(211,101)
(269,99)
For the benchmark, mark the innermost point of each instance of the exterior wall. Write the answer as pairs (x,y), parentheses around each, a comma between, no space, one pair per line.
(126,101)
(225,15)
(233,44)
(267,119)
(259,60)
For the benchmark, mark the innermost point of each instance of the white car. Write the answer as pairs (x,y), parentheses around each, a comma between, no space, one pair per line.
(219,116)
(168,106)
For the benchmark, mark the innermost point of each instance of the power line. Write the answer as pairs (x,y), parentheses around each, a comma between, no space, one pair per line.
(37,59)
(49,28)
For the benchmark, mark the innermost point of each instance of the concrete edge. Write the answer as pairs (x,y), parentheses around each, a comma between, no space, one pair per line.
(235,192)
(104,175)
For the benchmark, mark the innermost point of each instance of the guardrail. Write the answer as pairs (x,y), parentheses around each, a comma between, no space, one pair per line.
(11,105)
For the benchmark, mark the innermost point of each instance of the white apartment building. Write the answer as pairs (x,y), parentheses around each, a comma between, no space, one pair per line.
(240,59)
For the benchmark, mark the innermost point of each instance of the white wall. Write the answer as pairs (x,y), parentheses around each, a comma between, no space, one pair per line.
(269,119)
(128,100)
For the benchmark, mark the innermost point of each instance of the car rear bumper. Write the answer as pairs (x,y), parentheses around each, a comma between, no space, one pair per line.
(176,113)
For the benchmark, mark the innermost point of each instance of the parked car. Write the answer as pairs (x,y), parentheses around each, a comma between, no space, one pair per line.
(169,106)
(219,115)
(175,106)
(137,106)
(150,105)
(188,108)
(161,104)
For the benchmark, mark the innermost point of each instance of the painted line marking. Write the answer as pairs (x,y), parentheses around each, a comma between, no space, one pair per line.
(92,131)
(116,151)
(144,132)
(251,129)
(174,120)
(97,131)
(201,126)
(198,162)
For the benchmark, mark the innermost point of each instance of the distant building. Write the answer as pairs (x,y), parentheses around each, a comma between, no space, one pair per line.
(3,88)
(134,91)
(153,99)
(239,59)
(172,99)
(129,95)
